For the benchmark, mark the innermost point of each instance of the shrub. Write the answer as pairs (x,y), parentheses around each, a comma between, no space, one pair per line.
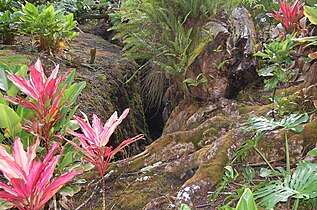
(47,24)
(49,100)
(289,15)
(9,5)
(9,26)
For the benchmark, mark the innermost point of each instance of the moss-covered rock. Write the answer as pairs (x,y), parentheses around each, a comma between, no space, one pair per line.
(106,90)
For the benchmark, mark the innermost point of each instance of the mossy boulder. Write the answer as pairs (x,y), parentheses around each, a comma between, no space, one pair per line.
(194,156)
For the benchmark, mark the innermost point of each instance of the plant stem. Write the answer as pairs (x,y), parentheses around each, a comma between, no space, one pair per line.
(103,193)
(264,158)
(273,108)
(295,207)
(288,165)
(55,203)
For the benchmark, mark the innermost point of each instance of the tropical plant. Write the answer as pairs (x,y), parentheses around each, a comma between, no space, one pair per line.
(29,184)
(48,24)
(48,99)
(311,14)
(77,7)
(9,26)
(184,207)
(288,15)
(200,79)
(94,142)
(9,5)
(167,33)
(276,56)
(246,202)
(291,122)
(10,122)
(230,175)
(301,184)
(262,124)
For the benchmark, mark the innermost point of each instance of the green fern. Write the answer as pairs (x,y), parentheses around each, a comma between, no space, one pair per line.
(167,33)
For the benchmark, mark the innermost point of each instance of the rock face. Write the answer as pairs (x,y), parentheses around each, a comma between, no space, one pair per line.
(227,62)
(243,66)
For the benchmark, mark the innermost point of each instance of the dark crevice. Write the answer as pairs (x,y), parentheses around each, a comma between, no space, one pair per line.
(155,122)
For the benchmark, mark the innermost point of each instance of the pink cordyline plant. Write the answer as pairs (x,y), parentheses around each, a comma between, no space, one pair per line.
(94,142)
(46,95)
(30,185)
(288,15)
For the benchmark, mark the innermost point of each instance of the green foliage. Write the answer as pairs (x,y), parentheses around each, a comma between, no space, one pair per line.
(229,176)
(48,24)
(246,201)
(5,84)
(9,121)
(311,14)
(262,124)
(284,105)
(301,184)
(200,79)
(9,5)
(276,57)
(9,25)
(77,7)
(167,33)
(246,146)
(184,207)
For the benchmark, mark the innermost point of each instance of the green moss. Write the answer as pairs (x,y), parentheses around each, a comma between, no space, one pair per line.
(256,110)
(11,59)
(213,168)
(309,134)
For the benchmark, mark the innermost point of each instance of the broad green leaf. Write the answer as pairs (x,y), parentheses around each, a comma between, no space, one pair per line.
(266,72)
(184,207)
(69,190)
(72,125)
(70,78)
(23,112)
(67,159)
(9,120)
(1,138)
(312,152)
(3,100)
(3,80)
(311,14)
(264,124)
(301,184)
(265,173)
(246,201)
(88,167)
(70,94)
